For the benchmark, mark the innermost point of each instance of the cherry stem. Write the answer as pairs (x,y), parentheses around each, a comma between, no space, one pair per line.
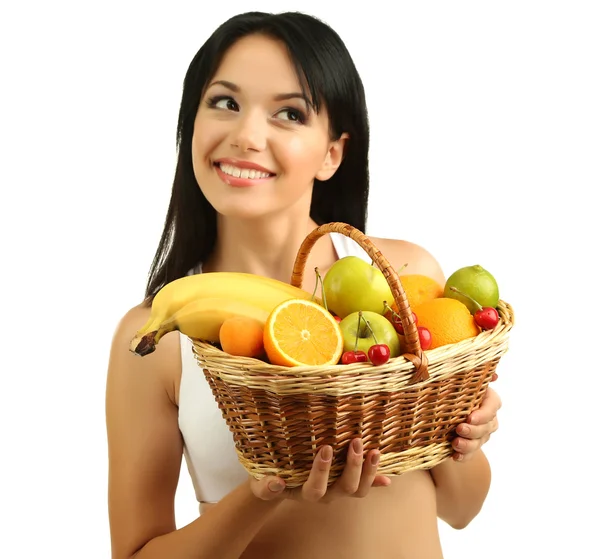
(452,288)
(371,329)
(402,268)
(356,340)
(320,279)
(394,313)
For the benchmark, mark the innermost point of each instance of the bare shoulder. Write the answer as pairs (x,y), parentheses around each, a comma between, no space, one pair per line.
(164,364)
(419,260)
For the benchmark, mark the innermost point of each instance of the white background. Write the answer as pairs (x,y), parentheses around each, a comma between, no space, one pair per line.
(485,149)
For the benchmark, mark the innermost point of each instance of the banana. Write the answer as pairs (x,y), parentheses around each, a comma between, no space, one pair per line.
(227,291)
(202,319)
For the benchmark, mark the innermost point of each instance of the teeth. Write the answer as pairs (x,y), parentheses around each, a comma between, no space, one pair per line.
(242,173)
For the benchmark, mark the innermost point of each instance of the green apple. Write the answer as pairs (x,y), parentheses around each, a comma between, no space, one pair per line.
(384,330)
(353,285)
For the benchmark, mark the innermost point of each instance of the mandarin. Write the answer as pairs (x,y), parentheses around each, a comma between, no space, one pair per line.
(242,336)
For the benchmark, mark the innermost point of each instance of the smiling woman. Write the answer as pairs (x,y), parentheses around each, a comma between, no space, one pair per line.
(260,110)
(273,140)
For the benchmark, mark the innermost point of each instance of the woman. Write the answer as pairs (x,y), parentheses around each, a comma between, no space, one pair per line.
(273,140)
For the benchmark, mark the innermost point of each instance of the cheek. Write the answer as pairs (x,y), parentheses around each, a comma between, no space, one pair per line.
(203,144)
(303,155)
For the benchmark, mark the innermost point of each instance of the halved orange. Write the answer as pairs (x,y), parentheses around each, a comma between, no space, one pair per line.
(300,332)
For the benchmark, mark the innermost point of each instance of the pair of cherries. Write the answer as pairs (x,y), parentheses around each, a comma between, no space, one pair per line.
(379,354)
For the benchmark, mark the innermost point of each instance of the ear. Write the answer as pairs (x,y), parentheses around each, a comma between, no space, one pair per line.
(333,158)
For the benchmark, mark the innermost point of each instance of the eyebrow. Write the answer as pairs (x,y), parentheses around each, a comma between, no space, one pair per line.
(279,97)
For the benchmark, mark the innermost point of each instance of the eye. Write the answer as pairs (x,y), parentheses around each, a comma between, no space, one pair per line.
(223,102)
(293,115)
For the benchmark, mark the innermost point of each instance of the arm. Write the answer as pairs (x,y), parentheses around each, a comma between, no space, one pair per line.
(145,452)
(461,488)
(462,482)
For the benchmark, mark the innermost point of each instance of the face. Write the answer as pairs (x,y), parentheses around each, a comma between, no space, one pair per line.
(257,145)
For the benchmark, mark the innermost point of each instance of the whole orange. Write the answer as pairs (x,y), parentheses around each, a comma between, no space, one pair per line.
(418,289)
(448,320)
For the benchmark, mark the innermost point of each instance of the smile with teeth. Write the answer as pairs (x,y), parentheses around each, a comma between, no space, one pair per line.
(243,173)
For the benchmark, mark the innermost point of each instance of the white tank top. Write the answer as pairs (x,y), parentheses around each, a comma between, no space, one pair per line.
(208,444)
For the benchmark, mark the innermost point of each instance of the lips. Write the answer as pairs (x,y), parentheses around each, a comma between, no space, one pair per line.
(236,166)
(242,173)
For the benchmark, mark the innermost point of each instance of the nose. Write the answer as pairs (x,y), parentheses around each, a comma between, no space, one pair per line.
(250,134)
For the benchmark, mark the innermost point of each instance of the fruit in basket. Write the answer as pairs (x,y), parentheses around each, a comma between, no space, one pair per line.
(449,321)
(486,317)
(300,332)
(419,288)
(479,286)
(201,319)
(354,357)
(424,339)
(358,337)
(214,296)
(352,284)
(379,354)
(242,336)
(393,316)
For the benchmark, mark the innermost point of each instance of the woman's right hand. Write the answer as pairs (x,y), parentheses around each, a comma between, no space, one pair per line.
(355,481)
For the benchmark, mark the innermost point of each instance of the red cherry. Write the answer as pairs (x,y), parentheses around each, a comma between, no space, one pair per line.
(487,318)
(424,337)
(379,354)
(398,323)
(354,357)
(337,318)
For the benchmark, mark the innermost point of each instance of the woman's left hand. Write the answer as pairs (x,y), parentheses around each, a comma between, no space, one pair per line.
(480,424)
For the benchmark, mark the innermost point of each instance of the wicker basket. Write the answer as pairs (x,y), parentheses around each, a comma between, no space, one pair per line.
(407,408)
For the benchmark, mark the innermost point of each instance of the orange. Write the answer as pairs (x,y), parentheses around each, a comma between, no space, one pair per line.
(419,289)
(448,320)
(300,332)
(242,336)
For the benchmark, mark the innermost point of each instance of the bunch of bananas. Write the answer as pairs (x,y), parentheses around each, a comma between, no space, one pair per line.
(197,305)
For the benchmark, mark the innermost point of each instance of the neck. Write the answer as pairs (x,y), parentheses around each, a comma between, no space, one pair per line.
(266,247)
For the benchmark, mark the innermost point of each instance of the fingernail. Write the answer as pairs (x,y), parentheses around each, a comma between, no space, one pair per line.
(473,419)
(375,459)
(326,454)
(357,446)
(464,429)
(275,486)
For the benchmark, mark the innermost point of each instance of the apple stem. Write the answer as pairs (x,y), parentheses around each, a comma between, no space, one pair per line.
(456,290)
(371,329)
(320,279)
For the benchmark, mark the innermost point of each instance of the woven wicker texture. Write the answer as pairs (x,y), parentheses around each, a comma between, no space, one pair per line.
(407,408)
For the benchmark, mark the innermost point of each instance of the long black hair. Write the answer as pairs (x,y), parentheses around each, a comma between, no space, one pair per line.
(326,69)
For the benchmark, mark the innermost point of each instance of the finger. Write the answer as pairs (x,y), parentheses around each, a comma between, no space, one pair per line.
(494,377)
(315,486)
(467,431)
(349,481)
(268,488)
(466,446)
(369,473)
(382,481)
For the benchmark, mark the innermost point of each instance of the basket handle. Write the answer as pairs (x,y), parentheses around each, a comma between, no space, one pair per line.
(414,352)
